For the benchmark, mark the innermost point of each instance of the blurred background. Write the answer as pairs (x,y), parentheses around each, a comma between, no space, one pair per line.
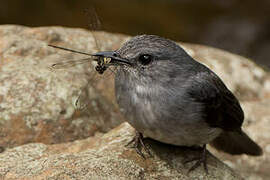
(239,26)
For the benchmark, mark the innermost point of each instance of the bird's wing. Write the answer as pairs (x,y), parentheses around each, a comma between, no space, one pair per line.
(221,108)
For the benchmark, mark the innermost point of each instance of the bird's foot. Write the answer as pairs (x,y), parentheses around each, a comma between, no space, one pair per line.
(138,144)
(202,159)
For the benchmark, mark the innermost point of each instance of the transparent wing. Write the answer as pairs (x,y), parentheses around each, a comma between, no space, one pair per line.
(71,63)
(94,24)
(82,102)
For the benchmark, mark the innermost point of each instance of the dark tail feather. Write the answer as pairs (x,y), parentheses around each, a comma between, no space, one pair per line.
(236,143)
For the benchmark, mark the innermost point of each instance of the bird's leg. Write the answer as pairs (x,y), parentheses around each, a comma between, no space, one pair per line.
(139,144)
(199,160)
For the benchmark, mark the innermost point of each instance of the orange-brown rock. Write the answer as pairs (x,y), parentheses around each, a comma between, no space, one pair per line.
(37,103)
(105,157)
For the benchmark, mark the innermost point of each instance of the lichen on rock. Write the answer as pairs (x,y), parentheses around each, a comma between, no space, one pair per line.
(44,134)
(105,157)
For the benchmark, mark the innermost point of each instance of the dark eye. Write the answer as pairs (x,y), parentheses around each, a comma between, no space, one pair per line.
(145,59)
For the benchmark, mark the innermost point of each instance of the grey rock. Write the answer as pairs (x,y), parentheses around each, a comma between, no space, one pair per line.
(37,104)
(105,157)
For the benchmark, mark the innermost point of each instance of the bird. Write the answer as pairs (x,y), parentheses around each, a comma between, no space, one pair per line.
(170,97)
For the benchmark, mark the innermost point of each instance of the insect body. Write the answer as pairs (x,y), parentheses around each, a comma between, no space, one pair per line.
(103,60)
(101,64)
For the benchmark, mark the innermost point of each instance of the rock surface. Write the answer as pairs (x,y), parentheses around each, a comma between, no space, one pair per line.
(105,157)
(37,103)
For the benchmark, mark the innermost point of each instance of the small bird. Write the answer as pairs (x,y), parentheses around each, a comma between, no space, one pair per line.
(168,96)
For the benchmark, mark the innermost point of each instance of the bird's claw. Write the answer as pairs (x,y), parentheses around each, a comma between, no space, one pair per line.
(202,159)
(139,145)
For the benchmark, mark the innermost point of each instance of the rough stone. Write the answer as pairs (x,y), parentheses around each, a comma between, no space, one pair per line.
(105,157)
(257,125)
(37,103)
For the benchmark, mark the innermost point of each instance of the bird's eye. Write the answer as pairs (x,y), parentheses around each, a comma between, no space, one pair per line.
(145,59)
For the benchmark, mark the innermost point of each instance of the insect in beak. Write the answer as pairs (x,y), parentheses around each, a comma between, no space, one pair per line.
(104,59)
(111,58)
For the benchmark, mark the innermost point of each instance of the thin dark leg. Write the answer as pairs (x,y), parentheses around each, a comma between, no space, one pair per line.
(139,144)
(202,159)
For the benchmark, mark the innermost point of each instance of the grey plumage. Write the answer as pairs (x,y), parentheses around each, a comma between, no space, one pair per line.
(177,100)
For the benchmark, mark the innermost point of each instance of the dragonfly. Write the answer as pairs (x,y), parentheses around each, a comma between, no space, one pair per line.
(102,63)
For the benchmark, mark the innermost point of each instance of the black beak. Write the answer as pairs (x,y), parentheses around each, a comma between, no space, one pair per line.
(114,58)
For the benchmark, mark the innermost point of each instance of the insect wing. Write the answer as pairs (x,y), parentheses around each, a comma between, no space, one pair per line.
(84,96)
(68,64)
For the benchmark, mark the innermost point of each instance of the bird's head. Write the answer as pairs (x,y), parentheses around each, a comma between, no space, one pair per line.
(148,56)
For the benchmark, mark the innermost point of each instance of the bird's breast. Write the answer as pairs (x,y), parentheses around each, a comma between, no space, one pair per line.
(159,115)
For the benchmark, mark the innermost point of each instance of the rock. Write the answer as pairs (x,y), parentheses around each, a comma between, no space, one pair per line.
(105,157)
(37,103)
(257,125)
(248,81)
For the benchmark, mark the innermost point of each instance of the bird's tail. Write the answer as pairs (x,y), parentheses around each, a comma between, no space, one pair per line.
(236,143)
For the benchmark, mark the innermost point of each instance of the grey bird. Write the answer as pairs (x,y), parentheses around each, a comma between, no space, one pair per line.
(168,96)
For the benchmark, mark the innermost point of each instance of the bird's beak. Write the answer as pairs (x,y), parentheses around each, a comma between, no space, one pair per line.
(111,58)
